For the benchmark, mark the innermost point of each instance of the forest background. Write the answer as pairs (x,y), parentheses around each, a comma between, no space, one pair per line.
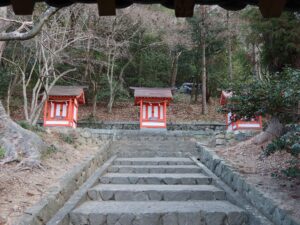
(142,46)
(257,58)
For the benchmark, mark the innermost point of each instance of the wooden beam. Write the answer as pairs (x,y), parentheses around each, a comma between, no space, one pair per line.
(23,7)
(184,8)
(271,8)
(107,7)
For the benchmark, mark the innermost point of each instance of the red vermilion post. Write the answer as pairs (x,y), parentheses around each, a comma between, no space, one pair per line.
(141,113)
(165,113)
(46,112)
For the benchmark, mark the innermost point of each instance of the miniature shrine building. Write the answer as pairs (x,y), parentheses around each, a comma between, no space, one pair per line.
(61,107)
(254,123)
(153,104)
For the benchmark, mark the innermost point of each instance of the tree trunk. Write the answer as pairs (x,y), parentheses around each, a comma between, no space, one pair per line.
(204,75)
(274,129)
(256,62)
(208,94)
(3,14)
(94,113)
(193,92)
(111,103)
(19,144)
(10,90)
(174,68)
(230,68)
(197,91)
(95,98)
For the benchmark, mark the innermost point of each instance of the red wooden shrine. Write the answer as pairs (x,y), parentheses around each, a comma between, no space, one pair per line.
(153,104)
(61,107)
(254,123)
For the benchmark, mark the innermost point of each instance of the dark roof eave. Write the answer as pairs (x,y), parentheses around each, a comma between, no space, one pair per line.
(269,8)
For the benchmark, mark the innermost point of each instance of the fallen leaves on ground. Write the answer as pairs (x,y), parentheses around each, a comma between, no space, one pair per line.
(180,110)
(21,189)
(247,158)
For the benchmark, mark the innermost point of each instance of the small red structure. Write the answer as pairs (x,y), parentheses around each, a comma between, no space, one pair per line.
(61,108)
(232,123)
(153,104)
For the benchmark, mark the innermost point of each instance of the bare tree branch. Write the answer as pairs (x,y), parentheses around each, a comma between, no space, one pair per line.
(36,28)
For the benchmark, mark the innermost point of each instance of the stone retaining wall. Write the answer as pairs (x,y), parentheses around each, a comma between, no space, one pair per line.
(136,126)
(44,210)
(215,131)
(206,137)
(232,178)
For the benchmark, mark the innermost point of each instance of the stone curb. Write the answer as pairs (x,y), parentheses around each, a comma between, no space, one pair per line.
(238,184)
(58,195)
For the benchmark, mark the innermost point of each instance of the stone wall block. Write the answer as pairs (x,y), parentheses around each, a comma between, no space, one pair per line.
(278,215)
(269,206)
(218,170)
(287,221)
(227,175)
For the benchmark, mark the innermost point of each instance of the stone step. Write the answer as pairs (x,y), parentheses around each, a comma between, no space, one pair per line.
(151,153)
(154,169)
(158,213)
(154,161)
(106,192)
(155,178)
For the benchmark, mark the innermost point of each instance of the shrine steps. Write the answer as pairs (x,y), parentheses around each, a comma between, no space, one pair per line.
(156,191)
(155,178)
(158,213)
(154,161)
(154,169)
(142,192)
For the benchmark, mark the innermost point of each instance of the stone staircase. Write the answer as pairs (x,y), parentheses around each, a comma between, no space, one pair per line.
(156,191)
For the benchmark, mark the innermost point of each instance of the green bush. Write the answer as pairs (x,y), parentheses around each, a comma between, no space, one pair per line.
(292,171)
(277,96)
(289,142)
(24,124)
(2,153)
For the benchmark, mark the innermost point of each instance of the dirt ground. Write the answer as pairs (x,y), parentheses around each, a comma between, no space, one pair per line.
(245,156)
(180,110)
(21,189)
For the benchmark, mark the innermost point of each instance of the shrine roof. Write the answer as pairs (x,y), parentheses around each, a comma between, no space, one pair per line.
(66,91)
(227,94)
(141,92)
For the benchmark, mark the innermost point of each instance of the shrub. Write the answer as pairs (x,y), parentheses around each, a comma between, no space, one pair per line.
(277,96)
(289,142)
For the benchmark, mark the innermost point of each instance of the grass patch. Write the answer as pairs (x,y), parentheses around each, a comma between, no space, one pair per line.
(67,138)
(50,150)
(24,124)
